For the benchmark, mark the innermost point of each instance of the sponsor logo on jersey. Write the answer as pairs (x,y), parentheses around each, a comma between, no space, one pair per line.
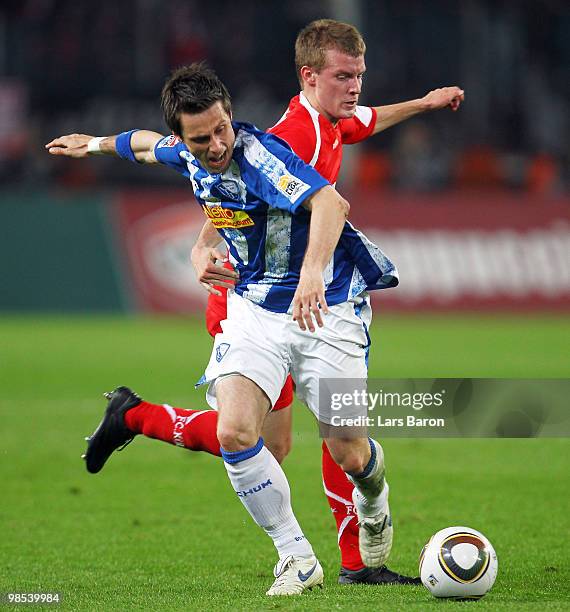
(224,217)
(221,350)
(169,141)
(291,187)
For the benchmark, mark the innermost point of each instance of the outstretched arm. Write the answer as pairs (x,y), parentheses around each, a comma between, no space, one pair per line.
(443,97)
(328,214)
(142,143)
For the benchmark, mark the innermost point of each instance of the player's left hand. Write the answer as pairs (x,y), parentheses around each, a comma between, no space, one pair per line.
(309,300)
(210,271)
(443,97)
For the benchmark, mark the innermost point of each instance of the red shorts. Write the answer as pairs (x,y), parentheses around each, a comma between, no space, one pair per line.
(217,311)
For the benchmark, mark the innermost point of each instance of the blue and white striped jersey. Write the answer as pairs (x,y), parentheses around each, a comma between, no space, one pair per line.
(256,205)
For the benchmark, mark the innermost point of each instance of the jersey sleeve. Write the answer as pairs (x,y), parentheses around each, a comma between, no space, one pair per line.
(360,126)
(278,176)
(302,141)
(167,151)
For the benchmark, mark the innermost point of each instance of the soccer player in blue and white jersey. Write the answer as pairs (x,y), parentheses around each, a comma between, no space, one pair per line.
(296,255)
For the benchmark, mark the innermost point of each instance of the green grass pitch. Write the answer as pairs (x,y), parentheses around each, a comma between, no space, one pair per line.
(160,529)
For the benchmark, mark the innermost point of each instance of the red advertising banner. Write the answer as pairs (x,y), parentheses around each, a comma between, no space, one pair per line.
(454,251)
(471,251)
(157,230)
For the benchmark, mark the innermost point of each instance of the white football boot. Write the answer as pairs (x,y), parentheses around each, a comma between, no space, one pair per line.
(293,575)
(375,534)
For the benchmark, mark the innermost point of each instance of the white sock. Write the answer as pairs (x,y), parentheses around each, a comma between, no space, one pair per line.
(370,506)
(263,489)
(371,495)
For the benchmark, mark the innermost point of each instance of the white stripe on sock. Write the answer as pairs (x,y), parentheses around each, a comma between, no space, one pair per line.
(336,497)
(345,521)
(171,412)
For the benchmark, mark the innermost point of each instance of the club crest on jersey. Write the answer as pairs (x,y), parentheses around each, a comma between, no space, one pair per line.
(221,350)
(229,190)
(291,187)
(169,141)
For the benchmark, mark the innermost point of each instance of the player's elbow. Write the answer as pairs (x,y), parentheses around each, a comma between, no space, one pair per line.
(146,157)
(341,206)
(344,206)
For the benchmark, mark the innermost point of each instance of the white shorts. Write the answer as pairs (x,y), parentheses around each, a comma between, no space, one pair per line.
(265,346)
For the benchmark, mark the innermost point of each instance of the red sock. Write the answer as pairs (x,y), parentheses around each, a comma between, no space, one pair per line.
(191,429)
(338,490)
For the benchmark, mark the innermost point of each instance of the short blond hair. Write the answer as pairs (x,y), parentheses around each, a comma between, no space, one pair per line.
(323,34)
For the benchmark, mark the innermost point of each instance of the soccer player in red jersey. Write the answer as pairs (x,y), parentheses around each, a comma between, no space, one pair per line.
(330,64)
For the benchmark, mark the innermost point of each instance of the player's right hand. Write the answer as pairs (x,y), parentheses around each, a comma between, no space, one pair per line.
(443,97)
(210,272)
(309,300)
(72,145)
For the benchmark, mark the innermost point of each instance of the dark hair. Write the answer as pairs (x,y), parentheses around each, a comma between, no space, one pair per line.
(192,89)
(323,34)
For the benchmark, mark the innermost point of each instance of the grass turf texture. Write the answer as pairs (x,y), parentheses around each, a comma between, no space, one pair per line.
(160,527)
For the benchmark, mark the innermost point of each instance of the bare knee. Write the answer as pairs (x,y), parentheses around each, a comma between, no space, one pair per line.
(242,409)
(234,438)
(352,463)
(351,455)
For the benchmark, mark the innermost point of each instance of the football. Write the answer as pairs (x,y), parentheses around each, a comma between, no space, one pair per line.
(458,562)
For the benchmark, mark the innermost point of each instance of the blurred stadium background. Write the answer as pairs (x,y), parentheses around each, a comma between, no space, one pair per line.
(473,206)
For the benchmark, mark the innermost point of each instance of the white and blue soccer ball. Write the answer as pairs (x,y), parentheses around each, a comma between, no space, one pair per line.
(458,562)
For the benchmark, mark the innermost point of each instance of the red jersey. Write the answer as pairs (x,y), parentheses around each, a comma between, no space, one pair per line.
(316,140)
